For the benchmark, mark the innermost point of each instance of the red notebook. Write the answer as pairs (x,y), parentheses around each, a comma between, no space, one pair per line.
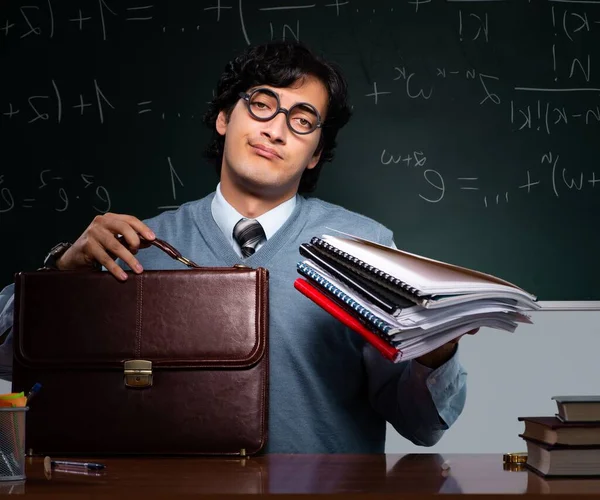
(387,350)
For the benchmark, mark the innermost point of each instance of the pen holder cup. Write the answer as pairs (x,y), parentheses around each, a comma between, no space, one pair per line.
(12,443)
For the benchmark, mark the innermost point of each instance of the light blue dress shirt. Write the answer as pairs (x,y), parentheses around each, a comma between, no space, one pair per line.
(227,217)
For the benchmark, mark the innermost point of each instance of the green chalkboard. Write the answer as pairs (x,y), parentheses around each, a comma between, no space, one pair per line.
(475,136)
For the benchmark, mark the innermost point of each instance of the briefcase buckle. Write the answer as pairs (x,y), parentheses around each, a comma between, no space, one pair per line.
(138,373)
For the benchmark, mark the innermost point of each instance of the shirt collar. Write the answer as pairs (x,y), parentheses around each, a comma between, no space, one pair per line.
(227,217)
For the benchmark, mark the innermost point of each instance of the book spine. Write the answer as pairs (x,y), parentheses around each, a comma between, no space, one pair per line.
(365,266)
(388,351)
(383,326)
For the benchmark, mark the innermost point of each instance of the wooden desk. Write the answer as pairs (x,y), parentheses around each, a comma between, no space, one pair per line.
(385,474)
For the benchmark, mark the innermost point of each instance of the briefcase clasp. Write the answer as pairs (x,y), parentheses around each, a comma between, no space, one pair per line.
(138,373)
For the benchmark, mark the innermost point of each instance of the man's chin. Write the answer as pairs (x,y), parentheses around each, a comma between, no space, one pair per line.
(266,186)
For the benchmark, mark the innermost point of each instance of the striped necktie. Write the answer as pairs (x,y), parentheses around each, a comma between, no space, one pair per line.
(248,233)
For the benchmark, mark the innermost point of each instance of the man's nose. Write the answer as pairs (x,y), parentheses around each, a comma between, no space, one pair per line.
(276,128)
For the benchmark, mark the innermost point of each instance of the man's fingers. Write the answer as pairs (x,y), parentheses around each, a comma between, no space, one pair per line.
(139,226)
(113,247)
(127,235)
(100,243)
(109,263)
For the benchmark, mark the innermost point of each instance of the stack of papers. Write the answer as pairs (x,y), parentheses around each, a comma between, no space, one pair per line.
(412,303)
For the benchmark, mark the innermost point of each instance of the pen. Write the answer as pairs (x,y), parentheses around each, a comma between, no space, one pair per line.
(86,465)
(34,390)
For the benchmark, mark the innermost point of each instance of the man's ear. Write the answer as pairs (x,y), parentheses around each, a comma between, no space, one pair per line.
(314,160)
(221,124)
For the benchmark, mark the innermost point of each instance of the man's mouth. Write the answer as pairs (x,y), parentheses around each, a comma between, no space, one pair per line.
(265,151)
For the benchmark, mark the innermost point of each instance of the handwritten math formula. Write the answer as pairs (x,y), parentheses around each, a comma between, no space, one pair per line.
(379,41)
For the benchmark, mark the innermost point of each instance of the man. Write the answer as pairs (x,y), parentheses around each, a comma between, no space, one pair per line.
(275,117)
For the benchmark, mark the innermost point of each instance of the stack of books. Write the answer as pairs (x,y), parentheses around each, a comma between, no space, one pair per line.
(567,444)
(562,485)
(404,304)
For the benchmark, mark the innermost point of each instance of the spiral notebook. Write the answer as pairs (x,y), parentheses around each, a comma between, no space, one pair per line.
(382,297)
(425,281)
(367,271)
(377,324)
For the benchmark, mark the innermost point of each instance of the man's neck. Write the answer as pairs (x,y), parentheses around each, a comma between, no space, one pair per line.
(249,204)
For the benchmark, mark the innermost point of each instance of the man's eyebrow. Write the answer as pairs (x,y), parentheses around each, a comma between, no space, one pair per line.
(309,108)
(279,96)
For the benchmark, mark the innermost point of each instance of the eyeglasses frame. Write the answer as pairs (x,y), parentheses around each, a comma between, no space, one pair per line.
(246,96)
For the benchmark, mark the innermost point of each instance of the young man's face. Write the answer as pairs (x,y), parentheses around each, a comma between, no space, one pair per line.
(265,158)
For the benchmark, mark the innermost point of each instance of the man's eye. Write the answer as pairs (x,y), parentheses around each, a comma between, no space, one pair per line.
(260,105)
(304,123)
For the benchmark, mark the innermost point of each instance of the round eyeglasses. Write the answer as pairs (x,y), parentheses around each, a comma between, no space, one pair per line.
(263,105)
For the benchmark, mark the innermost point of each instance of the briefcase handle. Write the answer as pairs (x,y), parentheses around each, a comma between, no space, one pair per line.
(169,249)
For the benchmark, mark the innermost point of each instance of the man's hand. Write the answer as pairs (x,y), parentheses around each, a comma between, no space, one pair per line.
(99,243)
(439,356)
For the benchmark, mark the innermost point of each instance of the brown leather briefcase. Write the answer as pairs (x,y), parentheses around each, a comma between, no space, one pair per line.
(168,362)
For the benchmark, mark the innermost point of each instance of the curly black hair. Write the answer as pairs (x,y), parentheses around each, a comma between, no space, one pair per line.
(280,64)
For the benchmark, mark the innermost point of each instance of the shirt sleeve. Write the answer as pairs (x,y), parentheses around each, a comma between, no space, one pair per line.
(420,402)
(6,324)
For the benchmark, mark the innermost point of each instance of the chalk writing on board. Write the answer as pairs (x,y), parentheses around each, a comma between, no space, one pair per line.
(174,177)
(51,193)
(498,197)
(80,19)
(584,70)
(476,25)
(560,178)
(548,158)
(571,22)
(570,181)
(33,103)
(144,107)
(416,158)
(139,13)
(45,107)
(7,202)
(529,184)
(470,74)
(37,21)
(133,14)
(434,187)
(418,3)
(49,107)
(488,95)
(31,28)
(412,91)
(545,117)
(285,30)
(554,61)
(375,94)
(337,4)
(578,67)
(218,8)
(11,112)
(418,90)
(435,180)
(468,183)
